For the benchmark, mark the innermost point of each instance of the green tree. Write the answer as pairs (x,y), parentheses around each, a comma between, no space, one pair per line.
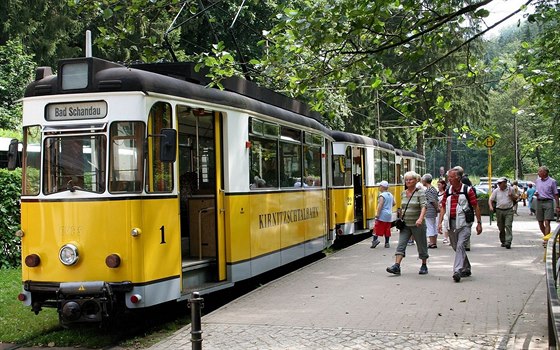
(16,69)
(48,29)
(538,59)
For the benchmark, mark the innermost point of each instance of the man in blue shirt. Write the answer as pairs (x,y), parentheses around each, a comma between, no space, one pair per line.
(547,196)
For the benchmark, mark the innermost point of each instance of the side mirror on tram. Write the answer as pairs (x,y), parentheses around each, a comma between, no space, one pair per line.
(168,145)
(13,154)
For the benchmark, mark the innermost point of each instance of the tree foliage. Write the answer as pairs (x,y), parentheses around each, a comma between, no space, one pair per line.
(408,72)
(48,29)
(16,69)
(538,62)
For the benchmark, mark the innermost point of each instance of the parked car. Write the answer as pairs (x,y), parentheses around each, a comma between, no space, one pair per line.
(480,190)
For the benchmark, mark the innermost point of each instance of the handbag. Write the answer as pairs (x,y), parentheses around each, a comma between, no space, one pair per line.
(399,223)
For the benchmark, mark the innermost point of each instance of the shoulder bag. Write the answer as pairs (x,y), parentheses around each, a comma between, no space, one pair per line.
(399,223)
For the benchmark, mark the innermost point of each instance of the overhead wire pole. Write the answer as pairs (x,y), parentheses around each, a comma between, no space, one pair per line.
(241,57)
(166,34)
(378,114)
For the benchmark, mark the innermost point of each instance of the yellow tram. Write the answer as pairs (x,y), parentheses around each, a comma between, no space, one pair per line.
(141,186)
(359,164)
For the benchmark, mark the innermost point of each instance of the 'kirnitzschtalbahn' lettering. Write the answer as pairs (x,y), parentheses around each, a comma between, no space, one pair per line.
(287,217)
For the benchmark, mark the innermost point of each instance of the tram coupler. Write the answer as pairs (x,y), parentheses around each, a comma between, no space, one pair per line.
(196,303)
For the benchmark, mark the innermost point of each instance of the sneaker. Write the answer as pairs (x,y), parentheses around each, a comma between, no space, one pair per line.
(468,249)
(375,243)
(466,273)
(457,277)
(445,241)
(387,245)
(423,270)
(503,244)
(410,242)
(508,245)
(395,269)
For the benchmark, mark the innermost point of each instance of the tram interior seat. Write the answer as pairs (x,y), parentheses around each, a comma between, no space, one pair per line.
(125,186)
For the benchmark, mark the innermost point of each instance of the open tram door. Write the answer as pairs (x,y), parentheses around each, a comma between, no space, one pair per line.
(358,173)
(200,193)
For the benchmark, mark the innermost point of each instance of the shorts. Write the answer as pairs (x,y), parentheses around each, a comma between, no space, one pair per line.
(545,210)
(431,227)
(382,228)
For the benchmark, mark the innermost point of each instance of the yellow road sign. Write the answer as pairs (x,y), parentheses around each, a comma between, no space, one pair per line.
(489,142)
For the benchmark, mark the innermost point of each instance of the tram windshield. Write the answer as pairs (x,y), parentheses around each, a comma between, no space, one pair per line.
(74,163)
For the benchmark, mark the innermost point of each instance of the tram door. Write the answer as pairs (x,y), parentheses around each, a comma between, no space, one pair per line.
(197,180)
(358,155)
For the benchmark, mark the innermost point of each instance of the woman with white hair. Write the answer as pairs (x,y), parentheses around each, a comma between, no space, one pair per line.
(413,206)
(432,209)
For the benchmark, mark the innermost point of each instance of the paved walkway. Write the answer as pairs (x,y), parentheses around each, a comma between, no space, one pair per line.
(348,301)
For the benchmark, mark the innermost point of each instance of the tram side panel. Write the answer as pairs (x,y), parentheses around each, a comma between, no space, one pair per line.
(265,227)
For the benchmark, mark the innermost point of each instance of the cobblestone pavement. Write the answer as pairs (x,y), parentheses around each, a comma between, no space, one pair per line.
(348,301)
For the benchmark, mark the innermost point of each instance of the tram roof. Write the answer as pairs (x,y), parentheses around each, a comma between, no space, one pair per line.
(359,139)
(406,153)
(177,79)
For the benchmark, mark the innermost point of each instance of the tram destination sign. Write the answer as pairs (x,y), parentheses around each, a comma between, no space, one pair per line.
(76,110)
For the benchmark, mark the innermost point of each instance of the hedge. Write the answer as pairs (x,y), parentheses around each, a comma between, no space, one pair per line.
(10,192)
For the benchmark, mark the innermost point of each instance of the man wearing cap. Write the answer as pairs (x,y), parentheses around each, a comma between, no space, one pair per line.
(504,198)
(546,195)
(384,217)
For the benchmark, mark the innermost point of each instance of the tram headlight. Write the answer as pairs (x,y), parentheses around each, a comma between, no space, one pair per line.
(68,254)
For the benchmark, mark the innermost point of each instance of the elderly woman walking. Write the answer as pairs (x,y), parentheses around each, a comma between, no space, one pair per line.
(413,207)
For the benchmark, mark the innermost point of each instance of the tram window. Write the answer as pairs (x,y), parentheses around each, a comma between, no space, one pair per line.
(377,171)
(290,164)
(160,174)
(312,160)
(197,155)
(312,165)
(263,159)
(385,166)
(391,178)
(74,163)
(406,166)
(126,160)
(290,157)
(31,160)
(342,168)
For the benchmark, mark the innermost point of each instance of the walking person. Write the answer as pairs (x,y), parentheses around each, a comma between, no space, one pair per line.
(457,201)
(442,185)
(432,208)
(505,198)
(466,181)
(546,195)
(384,217)
(530,196)
(413,205)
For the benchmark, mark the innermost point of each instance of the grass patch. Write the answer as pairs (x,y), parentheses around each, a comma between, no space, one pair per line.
(19,325)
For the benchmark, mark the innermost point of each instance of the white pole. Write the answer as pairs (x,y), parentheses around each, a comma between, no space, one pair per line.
(88,43)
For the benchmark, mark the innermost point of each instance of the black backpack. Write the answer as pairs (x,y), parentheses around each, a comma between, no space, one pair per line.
(469,214)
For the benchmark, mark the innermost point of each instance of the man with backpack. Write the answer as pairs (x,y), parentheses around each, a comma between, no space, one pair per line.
(460,207)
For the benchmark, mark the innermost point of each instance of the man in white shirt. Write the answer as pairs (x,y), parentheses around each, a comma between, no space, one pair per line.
(503,198)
